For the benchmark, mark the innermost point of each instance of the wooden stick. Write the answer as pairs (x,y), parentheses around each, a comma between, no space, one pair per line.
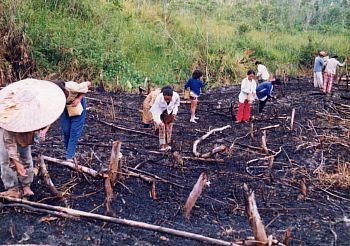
(263,142)
(203,159)
(251,133)
(195,152)
(47,178)
(292,119)
(195,193)
(132,223)
(265,157)
(114,165)
(269,127)
(113,110)
(254,218)
(72,165)
(214,151)
(126,129)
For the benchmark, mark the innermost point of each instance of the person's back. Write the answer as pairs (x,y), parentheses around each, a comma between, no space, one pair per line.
(319,62)
(263,90)
(331,66)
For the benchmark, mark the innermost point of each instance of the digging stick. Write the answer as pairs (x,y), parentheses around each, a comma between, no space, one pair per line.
(137,224)
(195,193)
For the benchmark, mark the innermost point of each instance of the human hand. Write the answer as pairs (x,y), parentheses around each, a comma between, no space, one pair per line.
(42,135)
(75,102)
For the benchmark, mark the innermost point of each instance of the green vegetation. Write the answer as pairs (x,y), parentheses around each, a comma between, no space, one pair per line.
(164,40)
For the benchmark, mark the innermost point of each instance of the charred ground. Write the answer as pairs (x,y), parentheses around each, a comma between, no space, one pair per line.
(319,137)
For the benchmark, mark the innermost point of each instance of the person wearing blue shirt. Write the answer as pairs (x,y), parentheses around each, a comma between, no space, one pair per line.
(195,84)
(318,67)
(264,92)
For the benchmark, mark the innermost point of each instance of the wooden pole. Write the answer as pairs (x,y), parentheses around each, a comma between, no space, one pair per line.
(251,133)
(137,224)
(113,110)
(254,218)
(195,193)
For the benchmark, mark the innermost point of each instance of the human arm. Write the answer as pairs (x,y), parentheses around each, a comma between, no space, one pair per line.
(187,85)
(77,100)
(43,132)
(11,147)
(176,104)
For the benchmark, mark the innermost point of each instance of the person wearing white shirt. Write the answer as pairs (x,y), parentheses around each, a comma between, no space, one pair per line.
(330,71)
(246,97)
(164,111)
(263,73)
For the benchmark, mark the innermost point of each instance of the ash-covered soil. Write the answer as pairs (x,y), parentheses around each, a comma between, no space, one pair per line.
(317,145)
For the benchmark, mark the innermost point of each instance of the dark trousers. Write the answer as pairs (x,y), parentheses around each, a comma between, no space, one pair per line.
(262,104)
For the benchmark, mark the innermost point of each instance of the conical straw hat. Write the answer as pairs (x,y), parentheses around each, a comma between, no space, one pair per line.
(30,104)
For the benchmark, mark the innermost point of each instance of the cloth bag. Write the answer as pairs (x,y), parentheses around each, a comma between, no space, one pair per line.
(75,111)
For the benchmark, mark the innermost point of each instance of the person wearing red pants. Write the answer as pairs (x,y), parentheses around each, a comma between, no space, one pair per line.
(246,97)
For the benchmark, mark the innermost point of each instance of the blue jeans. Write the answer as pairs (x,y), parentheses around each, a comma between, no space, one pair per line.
(72,128)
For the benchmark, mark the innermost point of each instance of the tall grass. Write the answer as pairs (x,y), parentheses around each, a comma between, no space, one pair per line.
(165,40)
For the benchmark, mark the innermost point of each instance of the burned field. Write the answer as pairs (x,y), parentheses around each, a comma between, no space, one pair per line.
(300,177)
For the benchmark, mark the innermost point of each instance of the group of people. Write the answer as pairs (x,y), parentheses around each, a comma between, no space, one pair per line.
(27,109)
(161,105)
(325,69)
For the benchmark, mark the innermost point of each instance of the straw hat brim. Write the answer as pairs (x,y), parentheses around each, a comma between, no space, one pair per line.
(30,105)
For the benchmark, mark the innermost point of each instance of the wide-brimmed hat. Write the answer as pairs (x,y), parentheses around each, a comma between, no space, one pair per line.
(30,105)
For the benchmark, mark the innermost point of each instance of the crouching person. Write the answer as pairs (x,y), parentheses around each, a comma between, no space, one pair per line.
(164,111)
(264,92)
(147,104)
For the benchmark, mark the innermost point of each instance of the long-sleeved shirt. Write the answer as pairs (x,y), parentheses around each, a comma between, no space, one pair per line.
(319,63)
(262,71)
(332,64)
(195,85)
(247,87)
(160,105)
(264,90)
(75,89)
(11,139)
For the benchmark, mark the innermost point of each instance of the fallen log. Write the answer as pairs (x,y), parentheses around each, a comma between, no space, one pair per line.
(195,144)
(218,149)
(72,165)
(195,193)
(254,218)
(137,224)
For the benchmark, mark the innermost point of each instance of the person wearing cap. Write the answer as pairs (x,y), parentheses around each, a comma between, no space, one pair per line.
(264,92)
(147,104)
(26,107)
(263,73)
(330,71)
(195,84)
(246,97)
(318,67)
(73,117)
(164,111)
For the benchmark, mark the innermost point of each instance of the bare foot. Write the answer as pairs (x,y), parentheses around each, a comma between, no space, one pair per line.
(27,191)
(21,170)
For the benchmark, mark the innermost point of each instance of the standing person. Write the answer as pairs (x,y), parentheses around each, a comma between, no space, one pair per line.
(246,97)
(164,111)
(318,66)
(195,84)
(330,71)
(264,92)
(73,117)
(147,104)
(263,73)
(26,106)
